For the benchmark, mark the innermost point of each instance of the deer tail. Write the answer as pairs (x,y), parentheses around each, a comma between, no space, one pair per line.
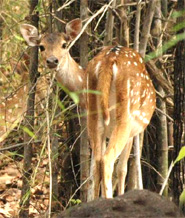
(104,85)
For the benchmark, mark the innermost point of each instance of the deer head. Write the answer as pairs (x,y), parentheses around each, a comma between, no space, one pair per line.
(55,54)
(53,46)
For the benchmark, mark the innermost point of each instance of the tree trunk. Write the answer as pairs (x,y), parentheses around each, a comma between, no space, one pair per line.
(1,31)
(179,108)
(29,123)
(123,27)
(161,131)
(164,7)
(109,26)
(162,139)
(84,145)
(135,177)
(146,27)
(137,26)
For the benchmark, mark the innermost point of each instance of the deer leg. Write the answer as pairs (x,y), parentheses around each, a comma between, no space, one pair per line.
(98,144)
(118,140)
(122,166)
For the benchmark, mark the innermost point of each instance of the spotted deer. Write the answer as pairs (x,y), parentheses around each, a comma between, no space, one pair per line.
(55,54)
(13,106)
(122,109)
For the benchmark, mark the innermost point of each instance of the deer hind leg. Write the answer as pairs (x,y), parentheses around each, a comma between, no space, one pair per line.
(98,146)
(118,140)
(122,166)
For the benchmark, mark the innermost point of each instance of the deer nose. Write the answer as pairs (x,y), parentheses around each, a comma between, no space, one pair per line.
(52,62)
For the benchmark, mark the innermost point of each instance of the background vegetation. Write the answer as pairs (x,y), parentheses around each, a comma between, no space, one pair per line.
(57,125)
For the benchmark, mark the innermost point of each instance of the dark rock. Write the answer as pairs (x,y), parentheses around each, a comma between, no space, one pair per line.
(136,203)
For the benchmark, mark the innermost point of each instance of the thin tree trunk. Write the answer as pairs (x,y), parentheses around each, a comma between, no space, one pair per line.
(55,168)
(53,137)
(1,32)
(164,7)
(162,139)
(27,169)
(84,146)
(135,176)
(146,27)
(137,26)
(123,28)
(161,131)
(109,26)
(179,109)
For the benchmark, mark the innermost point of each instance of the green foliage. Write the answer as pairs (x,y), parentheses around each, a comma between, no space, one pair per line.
(182,199)
(29,132)
(177,14)
(75,202)
(171,42)
(177,38)
(181,155)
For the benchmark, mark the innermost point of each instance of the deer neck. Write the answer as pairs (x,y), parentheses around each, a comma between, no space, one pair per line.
(72,76)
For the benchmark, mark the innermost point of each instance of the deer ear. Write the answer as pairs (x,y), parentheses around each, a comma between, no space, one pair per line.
(30,34)
(73,28)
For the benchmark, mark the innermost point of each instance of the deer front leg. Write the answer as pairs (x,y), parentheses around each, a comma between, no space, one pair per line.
(122,166)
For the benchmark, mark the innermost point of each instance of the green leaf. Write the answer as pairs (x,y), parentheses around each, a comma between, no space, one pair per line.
(90,91)
(29,132)
(181,155)
(60,104)
(182,199)
(19,38)
(179,26)
(165,47)
(177,14)
(74,97)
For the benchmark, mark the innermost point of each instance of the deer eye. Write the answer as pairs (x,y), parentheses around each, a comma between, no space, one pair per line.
(64,45)
(42,48)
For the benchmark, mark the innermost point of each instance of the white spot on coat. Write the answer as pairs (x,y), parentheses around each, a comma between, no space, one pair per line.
(145,121)
(97,68)
(137,112)
(143,95)
(128,95)
(115,70)
(80,78)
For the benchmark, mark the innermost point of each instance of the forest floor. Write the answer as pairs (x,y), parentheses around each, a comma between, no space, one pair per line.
(137,203)
(11,183)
